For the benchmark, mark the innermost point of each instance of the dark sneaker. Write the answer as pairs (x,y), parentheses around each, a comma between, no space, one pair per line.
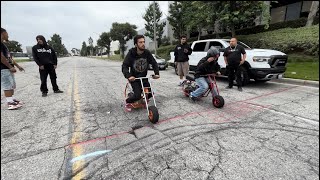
(229,87)
(44,94)
(192,98)
(58,91)
(13,105)
(240,89)
(19,102)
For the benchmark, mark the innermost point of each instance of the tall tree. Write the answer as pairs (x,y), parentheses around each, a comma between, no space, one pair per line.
(197,13)
(13,46)
(56,44)
(176,19)
(313,11)
(149,25)
(122,32)
(90,41)
(83,51)
(105,41)
(237,13)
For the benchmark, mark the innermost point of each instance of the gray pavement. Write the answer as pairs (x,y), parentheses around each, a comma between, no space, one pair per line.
(268,131)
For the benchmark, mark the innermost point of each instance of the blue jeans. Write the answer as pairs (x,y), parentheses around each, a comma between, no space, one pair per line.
(203,83)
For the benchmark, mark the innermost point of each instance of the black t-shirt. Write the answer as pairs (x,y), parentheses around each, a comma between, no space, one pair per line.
(5,52)
(234,54)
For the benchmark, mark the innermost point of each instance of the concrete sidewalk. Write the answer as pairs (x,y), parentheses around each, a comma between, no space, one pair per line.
(297,82)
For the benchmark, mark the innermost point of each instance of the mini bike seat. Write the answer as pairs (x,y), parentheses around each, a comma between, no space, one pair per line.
(190,77)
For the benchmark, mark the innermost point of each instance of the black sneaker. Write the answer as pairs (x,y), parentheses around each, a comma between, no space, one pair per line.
(44,94)
(240,89)
(229,87)
(58,91)
(192,98)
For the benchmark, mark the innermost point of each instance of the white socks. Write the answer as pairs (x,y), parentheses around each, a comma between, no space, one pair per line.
(9,99)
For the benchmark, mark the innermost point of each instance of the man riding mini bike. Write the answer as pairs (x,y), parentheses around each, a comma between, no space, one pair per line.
(135,69)
(204,80)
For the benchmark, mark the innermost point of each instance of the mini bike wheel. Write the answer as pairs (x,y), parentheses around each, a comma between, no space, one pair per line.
(218,101)
(153,114)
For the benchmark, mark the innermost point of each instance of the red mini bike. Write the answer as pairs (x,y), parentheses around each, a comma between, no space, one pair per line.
(190,85)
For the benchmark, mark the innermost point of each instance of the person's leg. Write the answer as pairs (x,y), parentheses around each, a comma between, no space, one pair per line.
(239,81)
(7,84)
(203,86)
(147,84)
(185,69)
(231,75)
(43,77)
(136,87)
(14,87)
(53,78)
(180,72)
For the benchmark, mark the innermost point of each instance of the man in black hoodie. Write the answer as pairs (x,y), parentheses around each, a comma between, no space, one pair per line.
(207,65)
(135,65)
(46,58)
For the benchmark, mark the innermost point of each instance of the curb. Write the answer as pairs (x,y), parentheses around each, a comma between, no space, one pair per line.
(297,82)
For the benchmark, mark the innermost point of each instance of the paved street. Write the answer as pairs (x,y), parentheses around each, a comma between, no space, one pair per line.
(268,131)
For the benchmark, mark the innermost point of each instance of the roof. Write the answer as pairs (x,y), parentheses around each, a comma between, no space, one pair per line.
(205,40)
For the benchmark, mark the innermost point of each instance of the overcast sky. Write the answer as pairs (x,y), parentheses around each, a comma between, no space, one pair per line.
(74,21)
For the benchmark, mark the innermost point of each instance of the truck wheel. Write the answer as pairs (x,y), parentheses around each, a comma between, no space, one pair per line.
(244,76)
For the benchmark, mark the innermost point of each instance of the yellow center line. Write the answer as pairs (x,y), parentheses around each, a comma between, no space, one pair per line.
(76,136)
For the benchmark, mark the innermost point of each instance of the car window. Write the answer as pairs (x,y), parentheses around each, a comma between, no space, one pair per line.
(200,46)
(242,44)
(216,44)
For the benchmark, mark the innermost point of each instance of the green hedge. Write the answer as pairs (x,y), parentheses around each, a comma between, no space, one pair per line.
(297,23)
(164,51)
(288,40)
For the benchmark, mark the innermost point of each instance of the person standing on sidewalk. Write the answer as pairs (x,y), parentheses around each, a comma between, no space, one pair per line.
(46,58)
(181,58)
(8,83)
(233,60)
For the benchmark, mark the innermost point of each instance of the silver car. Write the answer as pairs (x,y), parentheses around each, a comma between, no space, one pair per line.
(161,62)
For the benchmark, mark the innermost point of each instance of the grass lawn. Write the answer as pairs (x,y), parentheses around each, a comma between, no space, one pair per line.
(22,60)
(113,58)
(301,66)
(303,70)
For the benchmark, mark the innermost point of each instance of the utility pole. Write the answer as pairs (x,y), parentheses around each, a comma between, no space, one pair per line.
(154,28)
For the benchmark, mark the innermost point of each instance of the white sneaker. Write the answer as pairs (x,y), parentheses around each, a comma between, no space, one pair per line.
(13,105)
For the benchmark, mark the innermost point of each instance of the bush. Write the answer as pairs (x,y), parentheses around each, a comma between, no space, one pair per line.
(164,51)
(287,40)
(301,22)
(117,52)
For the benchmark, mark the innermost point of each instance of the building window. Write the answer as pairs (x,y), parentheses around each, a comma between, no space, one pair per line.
(293,11)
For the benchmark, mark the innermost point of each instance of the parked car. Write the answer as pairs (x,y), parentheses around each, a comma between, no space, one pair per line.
(260,65)
(161,62)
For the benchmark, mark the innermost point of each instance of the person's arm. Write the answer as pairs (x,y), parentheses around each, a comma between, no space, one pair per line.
(16,64)
(225,56)
(35,56)
(125,67)
(202,64)
(154,64)
(54,57)
(6,63)
(244,55)
(175,54)
(189,50)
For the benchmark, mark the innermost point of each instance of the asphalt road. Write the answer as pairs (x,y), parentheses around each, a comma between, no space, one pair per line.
(268,131)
